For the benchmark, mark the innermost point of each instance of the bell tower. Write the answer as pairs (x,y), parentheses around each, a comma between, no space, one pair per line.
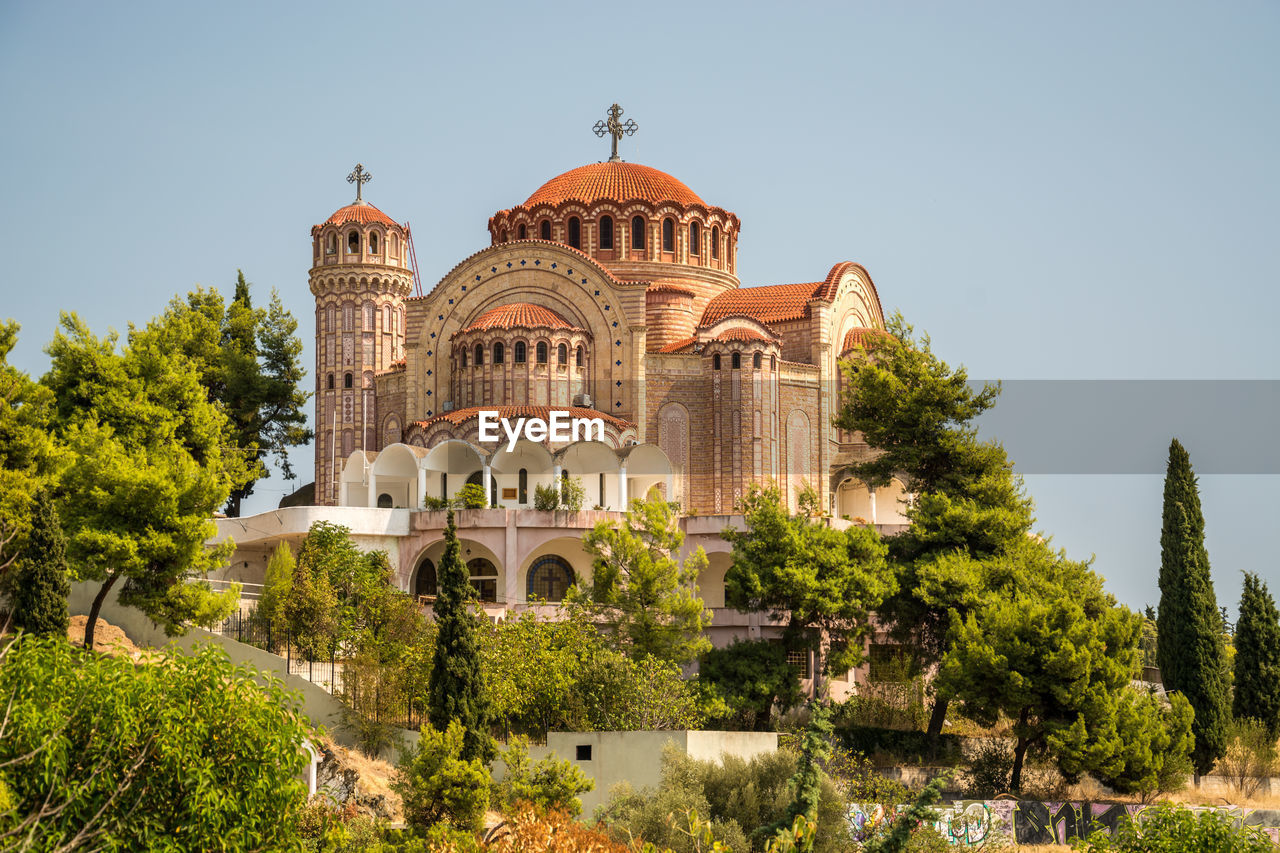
(360,276)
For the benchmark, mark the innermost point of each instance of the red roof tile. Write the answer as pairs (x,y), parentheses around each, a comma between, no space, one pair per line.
(861,336)
(614,181)
(685,345)
(361,213)
(741,334)
(461,416)
(524,315)
(773,303)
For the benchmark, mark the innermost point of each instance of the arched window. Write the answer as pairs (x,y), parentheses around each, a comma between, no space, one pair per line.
(715,242)
(773,362)
(735,361)
(329,317)
(330,381)
(348,315)
(498,352)
(756,360)
(504,235)
(668,235)
(581,356)
(519,357)
(370,316)
(332,248)
(385,501)
(522,232)
(549,579)
(346,380)
(715,361)
(637,232)
(373,243)
(694,235)
(600,490)
(546,229)
(353,243)
(424,581)
(484,577)
(386,318)
(464,356)
(522,491)
(575,232)
(542,352)
(562,354)
(606,232)
(395,244)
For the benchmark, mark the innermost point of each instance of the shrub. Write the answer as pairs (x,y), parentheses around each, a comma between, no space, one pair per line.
(438,786)
(546,498)
(431,503)
(471,496)
(990,768)
(1166,828)
(551,784)
(1251,755)
(187,752)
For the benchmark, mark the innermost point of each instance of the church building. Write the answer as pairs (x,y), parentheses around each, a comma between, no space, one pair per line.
(610,295)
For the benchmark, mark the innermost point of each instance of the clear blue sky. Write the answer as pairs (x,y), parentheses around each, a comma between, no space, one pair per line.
(1053,191)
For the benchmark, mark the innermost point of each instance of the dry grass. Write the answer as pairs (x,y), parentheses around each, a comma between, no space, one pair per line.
(373,776)
(107,638)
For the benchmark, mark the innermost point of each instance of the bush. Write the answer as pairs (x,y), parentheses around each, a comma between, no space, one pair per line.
(186,752)
(551,784)
(989,769)
(471,496)
(568,497)
(1251,755)
(438,786)
(751,678)
(902,746)
(431,503)
(546,498)
(1166,828)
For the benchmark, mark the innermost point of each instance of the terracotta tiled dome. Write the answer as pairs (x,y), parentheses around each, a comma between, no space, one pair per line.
(740,334)
(361,213)
(614,181)
(861,336)
(524,315)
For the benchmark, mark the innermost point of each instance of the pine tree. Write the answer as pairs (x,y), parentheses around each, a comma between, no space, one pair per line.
(456,690)
(1257,693)
(41,586)
(1191,650)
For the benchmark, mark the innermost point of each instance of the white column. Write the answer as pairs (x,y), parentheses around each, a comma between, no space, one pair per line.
(622,488)
(373,489)
(872,498)
(484,481)
(422,487)
(342,494)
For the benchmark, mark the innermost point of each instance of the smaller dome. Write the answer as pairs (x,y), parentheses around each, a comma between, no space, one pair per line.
(614,181)
(360,213)
(521,315)
(741,334)
(861,336)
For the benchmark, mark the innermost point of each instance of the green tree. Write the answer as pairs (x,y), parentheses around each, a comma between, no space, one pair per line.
(249,361)
(823,581)
(815,749)
(1191,652)
(552,783)
(146,473)
(918,413)
(187,752)
(1051,657)
(640,589)
(29,458)
(457,690)
(276,587)
(1169,828)
(440,784)
(1155,743)
(751,677)
(41,587)
(1257,663)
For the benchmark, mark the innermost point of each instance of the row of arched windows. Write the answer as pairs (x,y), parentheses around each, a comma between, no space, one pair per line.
(475,356)
(735,361)
(638,230)
(549,578)
(391,317)
(353,243)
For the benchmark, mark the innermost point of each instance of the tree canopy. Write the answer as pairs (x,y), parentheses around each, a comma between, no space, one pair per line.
(1191,651)
(640,589)
(1257,663)
(147,471)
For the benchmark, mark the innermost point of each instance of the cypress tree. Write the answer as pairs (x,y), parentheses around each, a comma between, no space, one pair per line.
(1257,694)
(1191,652)
(456,690)
(40,582)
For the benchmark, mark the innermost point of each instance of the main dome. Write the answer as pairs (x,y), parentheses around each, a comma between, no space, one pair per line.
(614,181)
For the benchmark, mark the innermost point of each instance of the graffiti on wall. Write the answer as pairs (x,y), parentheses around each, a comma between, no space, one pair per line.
(972,823)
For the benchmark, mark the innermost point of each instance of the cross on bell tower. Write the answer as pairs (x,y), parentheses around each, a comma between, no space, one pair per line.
(615,128)
(359,177)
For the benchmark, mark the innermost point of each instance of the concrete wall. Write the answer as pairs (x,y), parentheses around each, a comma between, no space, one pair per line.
(636,757)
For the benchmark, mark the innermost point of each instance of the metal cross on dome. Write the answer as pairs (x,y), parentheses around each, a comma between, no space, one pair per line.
(615,128)
(359,177)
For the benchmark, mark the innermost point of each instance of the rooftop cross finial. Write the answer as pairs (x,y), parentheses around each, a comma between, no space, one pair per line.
(359,177)
(615,128)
